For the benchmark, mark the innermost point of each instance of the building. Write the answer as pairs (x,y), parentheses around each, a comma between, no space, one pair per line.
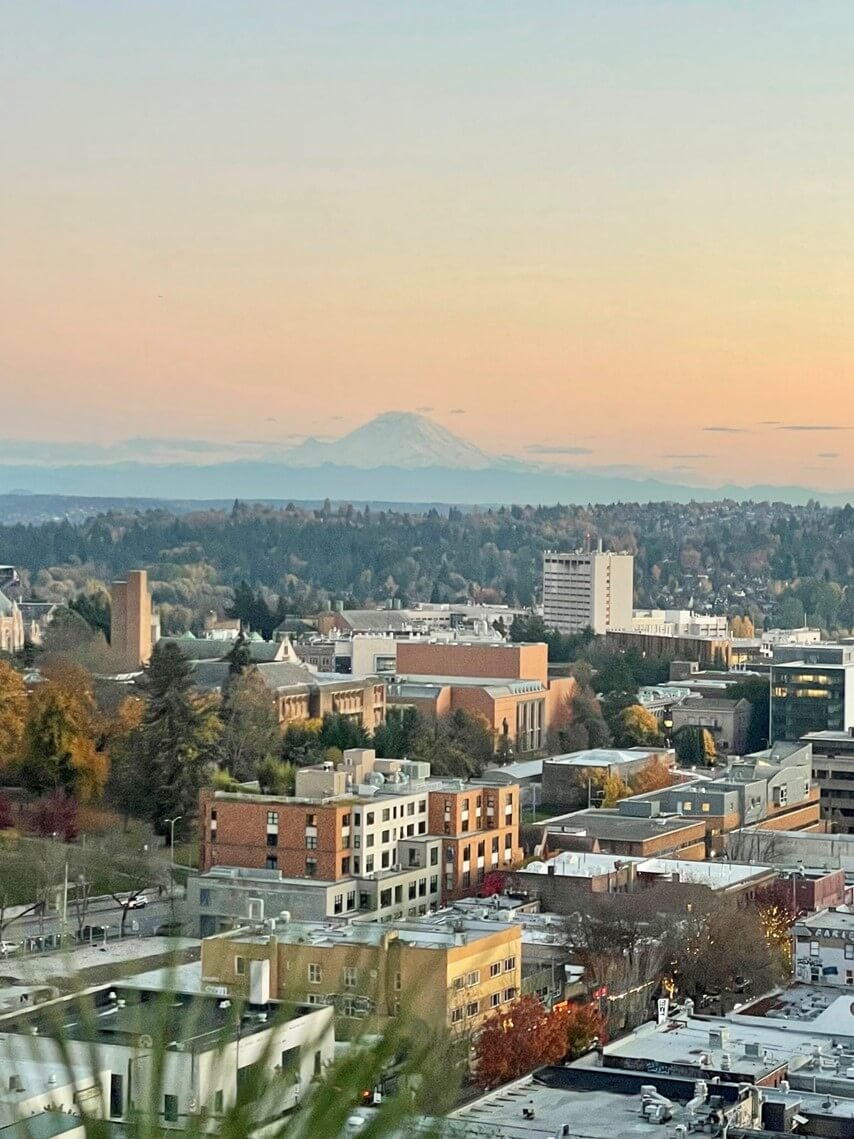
(401,841)
(635,827)
(111,1071)
(507,685)
(448,971)
(833,770)
(37,616)
(298,693)
(727,721)
(565,777)
(588,591)
(812,690)
(685,646)
(678,623)
(11,626)
(424,619)
(823,948)
(131,621)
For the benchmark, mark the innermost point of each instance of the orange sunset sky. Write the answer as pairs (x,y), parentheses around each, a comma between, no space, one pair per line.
(622,227)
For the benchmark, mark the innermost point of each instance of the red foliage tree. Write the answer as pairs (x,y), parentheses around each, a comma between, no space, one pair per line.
(7,813)
(56,814)
(517,1040)
(584,1024)
(493,883)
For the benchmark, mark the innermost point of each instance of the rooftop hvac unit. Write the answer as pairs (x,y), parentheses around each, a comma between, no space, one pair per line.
(726,1062)
(753,1050)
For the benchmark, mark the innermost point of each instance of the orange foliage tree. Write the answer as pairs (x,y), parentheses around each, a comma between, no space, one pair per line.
(654,775)
(584,1026)
(516,1040)
(59,750)
(13,711)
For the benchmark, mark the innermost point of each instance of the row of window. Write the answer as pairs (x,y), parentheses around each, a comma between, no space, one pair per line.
(467,980)
(473,1008)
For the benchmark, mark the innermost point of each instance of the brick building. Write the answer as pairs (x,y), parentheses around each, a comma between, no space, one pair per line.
(480,833)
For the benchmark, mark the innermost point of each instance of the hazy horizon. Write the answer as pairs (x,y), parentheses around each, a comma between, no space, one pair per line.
(600,235)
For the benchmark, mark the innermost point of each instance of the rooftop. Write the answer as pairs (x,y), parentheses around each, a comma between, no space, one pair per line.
(610,823)
(840,920)
(606,756)
(716,875)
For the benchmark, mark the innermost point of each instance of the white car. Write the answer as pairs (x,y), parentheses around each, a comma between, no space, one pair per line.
(8,947)
(138,902)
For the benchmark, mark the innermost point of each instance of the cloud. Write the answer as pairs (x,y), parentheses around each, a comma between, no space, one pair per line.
(690,455)
(682,467)
(726,430)
(828,455)
(556,449)
(769,422)
(813,427)
(457,411)
(424,410)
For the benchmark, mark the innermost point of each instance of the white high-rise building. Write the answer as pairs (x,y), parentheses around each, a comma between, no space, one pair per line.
(593,590)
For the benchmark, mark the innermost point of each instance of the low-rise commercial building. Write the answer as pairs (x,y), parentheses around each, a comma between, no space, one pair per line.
(823,948)
(727,721)
(448,974)
(565,777)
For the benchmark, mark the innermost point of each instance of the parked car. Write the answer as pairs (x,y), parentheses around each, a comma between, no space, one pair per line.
(7,948)
(138,902)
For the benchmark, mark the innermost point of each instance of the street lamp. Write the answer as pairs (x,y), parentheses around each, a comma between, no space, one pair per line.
(171,823)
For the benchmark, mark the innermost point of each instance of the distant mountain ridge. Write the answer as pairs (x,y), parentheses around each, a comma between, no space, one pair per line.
(395,457)
(402,439)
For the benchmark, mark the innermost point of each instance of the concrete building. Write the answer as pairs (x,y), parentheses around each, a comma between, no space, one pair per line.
(507,685)
(587,591)
(635,827)
(812,690)
(449,974)
(702,649)
(678,623)
(728,721)
(823,948)
(131,621)
(833,770)
(565,777)
(110,1071)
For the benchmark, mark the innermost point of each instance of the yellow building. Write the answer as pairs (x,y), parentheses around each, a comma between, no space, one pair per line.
(447,971)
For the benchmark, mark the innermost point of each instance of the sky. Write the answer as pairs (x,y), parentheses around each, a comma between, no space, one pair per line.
(614,233)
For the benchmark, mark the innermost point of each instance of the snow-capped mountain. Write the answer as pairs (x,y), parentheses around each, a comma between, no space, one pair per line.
(394,439)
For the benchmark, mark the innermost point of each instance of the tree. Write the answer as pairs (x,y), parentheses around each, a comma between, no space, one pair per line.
(7,813)
(694,746)
(94,608)
(276,777)
(742,626)
(250,727)
(516,1040)
(301,744)
(125,872)
(584,1025)
(636,727)
(55,814)
(59,750)
(13,710)
(654,775)
(126,792)
(756,691)
(177,739)
(239,658)
(399,736)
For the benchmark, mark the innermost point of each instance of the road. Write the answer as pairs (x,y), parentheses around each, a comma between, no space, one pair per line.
(100,912)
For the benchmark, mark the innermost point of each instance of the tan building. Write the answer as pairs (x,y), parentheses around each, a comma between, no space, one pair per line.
(447,974)
(480,833)
(131,621)
(11,626)
(507,685)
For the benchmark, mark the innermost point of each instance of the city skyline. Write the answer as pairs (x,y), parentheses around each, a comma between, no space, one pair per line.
(598,236)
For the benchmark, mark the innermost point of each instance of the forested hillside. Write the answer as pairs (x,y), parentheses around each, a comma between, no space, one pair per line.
(769,561)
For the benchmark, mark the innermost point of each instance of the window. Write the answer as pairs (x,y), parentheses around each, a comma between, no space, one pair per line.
(315,973)
(466,878)
(351,975)
(311,867)
(311,820)
(338,904)
(273,839)
(472,1008)
(272,818)
(318,1065)
(240,966)
(849,976)
(706,808)
(218,1102)
(386,815)
(456,1015)
(458,983)
(509,964)
(398,895)
(422,806)
(849,951)
(422,827)
(204,897)
(495,844)
(385,837)
(509,994)
(495,968)
(369,818)
(272,862)
(351,899)
(369,864)
(434,883)
(385,898)
(410,808)
(345,865)
(398,981)
(495,1000)
(345,821)
(473,978)
(413,890)
(422,887)
(434,856)
(385,859)
(369,841)
(480,849)
(170,1108)
(508,842)
(310,841)
(350,1007)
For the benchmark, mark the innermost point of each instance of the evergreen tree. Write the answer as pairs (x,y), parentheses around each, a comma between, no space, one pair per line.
(177,739)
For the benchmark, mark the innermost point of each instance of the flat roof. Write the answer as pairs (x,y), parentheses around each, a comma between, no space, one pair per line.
(839,920)
(581,864)
(607,822)
(606,756)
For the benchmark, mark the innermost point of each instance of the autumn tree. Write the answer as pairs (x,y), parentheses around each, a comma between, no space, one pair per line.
(636,727)
(177,739)
(55,814)
(276,777)
(250,726)
(126,792)
(515,1040)
(584,1025)
(654,775)
(13,712)
(742,626)
(59,750)
(694,745)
